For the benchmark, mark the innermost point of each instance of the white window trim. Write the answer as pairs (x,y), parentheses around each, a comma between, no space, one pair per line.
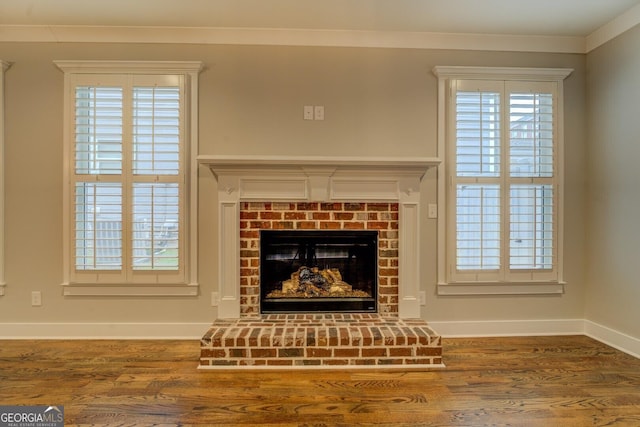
(444,75)
(3,67)
(190,70)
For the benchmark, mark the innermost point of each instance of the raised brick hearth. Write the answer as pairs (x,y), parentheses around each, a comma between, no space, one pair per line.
(321,341)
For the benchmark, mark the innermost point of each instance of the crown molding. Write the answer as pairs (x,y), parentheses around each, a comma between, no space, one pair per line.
(290,37)
(330,38)
(613,28)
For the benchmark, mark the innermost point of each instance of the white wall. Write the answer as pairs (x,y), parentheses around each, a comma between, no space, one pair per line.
(378,102)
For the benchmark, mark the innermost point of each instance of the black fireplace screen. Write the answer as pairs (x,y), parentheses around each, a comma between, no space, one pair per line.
(318,271)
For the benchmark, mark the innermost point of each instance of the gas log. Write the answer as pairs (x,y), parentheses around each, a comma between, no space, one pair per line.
(312,282)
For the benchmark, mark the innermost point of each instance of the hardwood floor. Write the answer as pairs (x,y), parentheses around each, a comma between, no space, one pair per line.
(531,381)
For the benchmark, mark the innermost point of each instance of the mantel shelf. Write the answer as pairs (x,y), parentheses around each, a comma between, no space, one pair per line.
(287,162)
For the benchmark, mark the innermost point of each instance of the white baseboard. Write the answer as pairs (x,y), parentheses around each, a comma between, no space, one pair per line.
(455,329)
(504,328)
(613,338)
(197,330)
(103,330)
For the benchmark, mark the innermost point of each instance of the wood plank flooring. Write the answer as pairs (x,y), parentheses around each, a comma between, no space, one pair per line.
(525,381)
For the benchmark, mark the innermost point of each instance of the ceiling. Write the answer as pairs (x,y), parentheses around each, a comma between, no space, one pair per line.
(555,18)
(517,17)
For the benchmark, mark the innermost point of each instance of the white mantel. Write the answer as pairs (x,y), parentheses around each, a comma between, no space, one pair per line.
(318,179)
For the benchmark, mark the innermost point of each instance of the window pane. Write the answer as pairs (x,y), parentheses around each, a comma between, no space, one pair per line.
(98,130)
(155,226)
(478,134)
(531,134)
(98,224)
(156,130)
(531,230)
(478,227)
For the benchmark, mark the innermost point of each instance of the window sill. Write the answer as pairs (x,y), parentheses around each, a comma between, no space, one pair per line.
(501,288)
(130,290)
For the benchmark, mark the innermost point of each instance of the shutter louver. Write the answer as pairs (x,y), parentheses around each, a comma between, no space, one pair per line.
(98,226)
(531,165)
(478,227)
(156,130)
(478,158)
(531,135)
(531,227)
(478,134)
(98,152)
(98,130)
(156,157)
(155,226)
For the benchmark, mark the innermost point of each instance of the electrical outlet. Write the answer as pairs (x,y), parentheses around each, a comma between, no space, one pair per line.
(432,211)
(36,298)
(423,298)
(215,299)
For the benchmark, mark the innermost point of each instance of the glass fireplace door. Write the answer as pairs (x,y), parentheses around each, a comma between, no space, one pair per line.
(325,271)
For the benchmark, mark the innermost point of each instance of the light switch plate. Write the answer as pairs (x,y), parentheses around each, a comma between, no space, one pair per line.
(318,112)
(308,112)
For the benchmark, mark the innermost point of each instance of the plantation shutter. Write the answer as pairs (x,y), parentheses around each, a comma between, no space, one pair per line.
(503,182)
(532,171)
(476,181)
(129,179)
(156,167)
(98,186)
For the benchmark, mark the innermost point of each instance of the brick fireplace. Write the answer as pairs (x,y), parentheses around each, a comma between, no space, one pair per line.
(378,216)
(272,193)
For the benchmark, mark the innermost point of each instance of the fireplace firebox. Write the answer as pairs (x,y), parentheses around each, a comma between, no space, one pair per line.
(304,271)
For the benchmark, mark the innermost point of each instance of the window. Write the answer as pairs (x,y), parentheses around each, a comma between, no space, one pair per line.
(502,180)
(3,67)
(129,201)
